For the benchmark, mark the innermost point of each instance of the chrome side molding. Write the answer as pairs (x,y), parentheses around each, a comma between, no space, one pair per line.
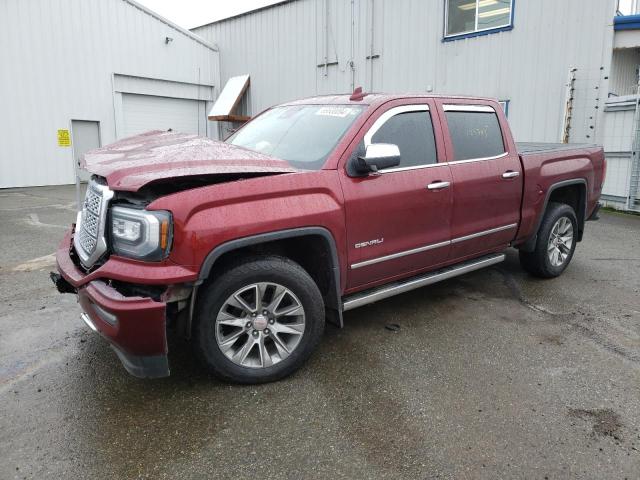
(399,254)
(486,232)
(392,112)
(425,248)
(370,296)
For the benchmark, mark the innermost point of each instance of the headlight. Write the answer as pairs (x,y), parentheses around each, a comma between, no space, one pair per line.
(141,234)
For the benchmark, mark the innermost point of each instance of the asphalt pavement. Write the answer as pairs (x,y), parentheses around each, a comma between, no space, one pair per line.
(491,375)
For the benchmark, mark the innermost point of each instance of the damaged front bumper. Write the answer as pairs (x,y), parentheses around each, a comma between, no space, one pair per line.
(135,326)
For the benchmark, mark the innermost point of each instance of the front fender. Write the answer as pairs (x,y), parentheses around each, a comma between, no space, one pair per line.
(207,217)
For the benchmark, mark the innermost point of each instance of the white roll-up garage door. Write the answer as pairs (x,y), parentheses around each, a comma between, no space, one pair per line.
(142,113)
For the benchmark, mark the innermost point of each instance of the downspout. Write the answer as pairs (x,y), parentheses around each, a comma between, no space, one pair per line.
(371,51)
(326,38)
(219,127)
(351,63)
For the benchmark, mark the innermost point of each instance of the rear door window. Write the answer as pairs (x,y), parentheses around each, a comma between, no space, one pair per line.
(475,132)
(412,132)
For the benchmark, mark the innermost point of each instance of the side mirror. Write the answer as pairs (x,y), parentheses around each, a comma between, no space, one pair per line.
(377,157)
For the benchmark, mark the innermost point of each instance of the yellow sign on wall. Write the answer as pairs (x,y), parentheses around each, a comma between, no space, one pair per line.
(64,138)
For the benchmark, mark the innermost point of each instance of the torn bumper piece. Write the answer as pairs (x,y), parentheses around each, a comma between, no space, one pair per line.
(134,326)
(61,284)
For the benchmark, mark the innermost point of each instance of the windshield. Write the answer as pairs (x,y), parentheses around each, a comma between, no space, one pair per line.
(303,135)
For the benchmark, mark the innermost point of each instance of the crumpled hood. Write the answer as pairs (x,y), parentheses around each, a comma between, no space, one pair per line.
(133,162)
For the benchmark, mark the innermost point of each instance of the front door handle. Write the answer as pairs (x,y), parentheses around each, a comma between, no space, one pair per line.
(510,174)
(438,185)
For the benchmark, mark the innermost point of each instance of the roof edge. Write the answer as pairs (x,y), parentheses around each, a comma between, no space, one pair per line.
(169,23)
(626,22)
(379,98)
(248,12)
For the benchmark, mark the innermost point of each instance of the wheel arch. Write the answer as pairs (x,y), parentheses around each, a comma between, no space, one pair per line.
(571,192)
(278,239)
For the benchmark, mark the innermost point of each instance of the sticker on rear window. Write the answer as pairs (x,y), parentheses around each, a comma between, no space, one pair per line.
(336,111)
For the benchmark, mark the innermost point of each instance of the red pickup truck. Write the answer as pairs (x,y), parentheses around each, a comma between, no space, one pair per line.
(313,208)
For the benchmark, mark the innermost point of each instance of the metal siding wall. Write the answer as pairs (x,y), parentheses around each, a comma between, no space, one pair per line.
(618,130)
(616,183)
(57,64)
(617,139)
(281,46)
(277,46)
(624,71)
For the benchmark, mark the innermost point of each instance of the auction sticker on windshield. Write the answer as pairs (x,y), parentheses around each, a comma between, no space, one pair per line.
(336,111)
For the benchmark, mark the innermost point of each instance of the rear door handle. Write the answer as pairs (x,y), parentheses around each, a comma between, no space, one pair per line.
(510,174)
(438,185)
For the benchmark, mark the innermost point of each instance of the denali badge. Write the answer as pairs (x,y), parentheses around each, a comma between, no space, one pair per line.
(377,241)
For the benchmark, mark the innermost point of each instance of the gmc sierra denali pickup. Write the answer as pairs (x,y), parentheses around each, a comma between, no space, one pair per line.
(313,208)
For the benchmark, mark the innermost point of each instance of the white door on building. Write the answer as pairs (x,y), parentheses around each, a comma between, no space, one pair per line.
(85,136)
(142,113)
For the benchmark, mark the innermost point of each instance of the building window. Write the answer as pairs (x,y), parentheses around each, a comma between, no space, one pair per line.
(466,18)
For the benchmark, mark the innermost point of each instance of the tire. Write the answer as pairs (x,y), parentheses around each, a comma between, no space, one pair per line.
(270,343)
(544,261)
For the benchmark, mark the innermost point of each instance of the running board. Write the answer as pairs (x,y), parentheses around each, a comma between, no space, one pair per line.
(369,296)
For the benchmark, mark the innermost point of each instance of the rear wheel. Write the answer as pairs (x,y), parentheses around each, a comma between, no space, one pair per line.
(556,242)
(258,321)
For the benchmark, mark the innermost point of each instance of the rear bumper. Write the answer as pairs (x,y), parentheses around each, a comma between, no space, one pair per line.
(134,326)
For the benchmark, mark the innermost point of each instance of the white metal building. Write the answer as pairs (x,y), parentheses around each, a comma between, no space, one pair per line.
(519,51)
(99,69)
(104,69)
(550,61)
(621,137)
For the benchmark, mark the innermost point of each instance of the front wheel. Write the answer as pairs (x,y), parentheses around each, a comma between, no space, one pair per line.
(258,321)
(556,243)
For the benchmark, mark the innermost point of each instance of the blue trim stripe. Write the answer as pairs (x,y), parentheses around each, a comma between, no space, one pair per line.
(626,22)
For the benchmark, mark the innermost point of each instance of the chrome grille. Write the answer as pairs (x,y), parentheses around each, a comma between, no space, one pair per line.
(89,240)
(91,213)
(93,201)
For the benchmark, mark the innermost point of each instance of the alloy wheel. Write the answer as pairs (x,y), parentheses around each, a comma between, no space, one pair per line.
(260,325)
(560,241)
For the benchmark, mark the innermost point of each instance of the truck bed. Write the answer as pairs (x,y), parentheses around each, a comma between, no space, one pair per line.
(542,147)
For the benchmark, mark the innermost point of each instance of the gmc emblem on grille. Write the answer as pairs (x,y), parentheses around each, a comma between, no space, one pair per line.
(369,243)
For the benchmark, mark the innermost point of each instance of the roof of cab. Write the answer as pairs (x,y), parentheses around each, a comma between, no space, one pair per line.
(374,98)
